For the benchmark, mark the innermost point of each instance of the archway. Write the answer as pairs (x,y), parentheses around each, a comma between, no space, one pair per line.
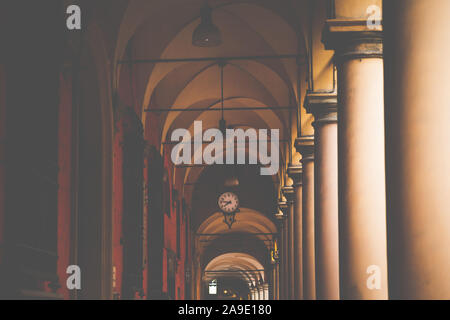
(226,268)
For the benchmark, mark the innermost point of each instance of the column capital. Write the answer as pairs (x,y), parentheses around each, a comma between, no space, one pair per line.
(295,173)
(305,146)
(288,192)
(323,106)
(282,214)
(284,208)
(353,39)
(281,217)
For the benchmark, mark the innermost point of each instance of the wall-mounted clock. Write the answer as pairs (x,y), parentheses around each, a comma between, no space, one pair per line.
(228,202)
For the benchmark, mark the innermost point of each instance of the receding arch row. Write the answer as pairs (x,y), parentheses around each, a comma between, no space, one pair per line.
(242,264)
(247,221)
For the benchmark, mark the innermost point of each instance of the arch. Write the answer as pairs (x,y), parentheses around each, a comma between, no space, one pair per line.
(94,234)
(250,220)
(250,224)
(247,266)
(139,21)
(207,86)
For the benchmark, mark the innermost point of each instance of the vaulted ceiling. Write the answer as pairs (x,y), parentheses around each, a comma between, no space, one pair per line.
(162,30)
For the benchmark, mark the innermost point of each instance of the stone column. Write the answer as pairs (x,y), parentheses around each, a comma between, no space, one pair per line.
(279,216)
(324,108)
(198,278)
(417,88)
(295,173)
(284,263)
(273,285)
(362,192)
(276,288)
(286,276)
(280,265)
(266,291)
(305,146)
(288,192)
(261,291)
(253,293)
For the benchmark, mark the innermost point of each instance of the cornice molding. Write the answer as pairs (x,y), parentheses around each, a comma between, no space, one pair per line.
(283,205)
(288,192)
(323,105)
(305,146)
(353,39)
(295,173)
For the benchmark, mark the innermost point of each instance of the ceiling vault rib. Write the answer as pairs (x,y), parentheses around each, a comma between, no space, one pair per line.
(230,234)
(241,270)
(263,240)
(217,110)
(230,58)
(205,142)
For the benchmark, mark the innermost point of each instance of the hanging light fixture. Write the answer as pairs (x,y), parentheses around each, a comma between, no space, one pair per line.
(206,34)
(228,201)
(231,181)
(229,219)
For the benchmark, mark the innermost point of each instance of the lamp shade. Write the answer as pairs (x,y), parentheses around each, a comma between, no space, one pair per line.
(206,34)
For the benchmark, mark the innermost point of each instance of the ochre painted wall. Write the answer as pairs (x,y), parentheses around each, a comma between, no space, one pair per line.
(354,9)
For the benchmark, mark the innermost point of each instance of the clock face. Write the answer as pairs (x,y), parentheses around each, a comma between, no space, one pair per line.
(228,202)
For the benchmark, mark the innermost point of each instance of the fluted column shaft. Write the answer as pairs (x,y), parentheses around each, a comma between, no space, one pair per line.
(362,192)
(324,108)
(305,146)
(417,51)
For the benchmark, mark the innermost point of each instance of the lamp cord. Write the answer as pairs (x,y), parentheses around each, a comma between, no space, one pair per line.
(221,87)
